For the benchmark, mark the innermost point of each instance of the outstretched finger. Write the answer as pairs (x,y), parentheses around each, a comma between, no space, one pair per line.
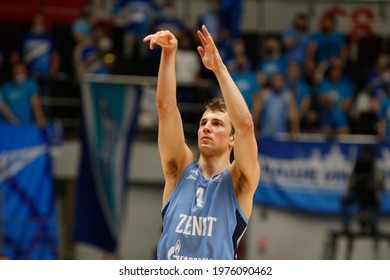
(207,35)
(148,38)
(202,38)
(152,38)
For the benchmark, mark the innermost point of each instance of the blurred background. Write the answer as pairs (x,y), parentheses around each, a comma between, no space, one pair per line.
(80,174)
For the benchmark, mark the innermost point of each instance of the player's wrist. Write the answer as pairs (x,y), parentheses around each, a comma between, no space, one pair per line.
(169,51)
(220,68)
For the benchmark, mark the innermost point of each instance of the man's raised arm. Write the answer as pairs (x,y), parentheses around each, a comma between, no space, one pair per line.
(245,145)
(174,153)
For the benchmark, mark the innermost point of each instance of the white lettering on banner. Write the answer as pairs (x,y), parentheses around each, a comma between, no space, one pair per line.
(11,162)
(195,226)
(329,172)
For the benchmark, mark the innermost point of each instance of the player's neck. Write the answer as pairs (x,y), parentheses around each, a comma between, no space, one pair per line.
(211,165)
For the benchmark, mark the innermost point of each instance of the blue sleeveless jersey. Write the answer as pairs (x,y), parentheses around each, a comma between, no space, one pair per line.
(202,218)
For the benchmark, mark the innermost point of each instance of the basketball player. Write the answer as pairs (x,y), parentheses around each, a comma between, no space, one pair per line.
(206,202)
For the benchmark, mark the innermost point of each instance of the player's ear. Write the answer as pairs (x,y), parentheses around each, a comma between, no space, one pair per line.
(231,143)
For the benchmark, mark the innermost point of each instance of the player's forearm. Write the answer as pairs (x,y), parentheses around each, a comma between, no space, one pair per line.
(236,106)
(166,81)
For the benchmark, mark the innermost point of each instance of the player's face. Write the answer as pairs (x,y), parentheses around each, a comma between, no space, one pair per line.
(214,132)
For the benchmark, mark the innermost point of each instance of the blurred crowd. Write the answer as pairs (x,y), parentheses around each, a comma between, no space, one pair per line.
(301,81)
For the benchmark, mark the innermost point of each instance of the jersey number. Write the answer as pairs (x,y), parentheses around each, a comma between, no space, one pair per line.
(199,197)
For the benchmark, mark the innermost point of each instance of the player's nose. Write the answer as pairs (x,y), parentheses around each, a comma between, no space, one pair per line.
(207,127)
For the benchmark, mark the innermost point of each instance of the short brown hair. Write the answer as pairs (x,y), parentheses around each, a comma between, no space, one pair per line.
(217,104)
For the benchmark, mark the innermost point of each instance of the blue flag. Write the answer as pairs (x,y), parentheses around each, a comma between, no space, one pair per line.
(28,224)
(110,119)
(312,175)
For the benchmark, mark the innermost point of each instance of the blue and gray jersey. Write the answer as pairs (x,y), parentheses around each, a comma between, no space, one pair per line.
(202,218)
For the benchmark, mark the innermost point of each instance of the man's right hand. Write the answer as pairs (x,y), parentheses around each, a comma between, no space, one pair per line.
(163,38)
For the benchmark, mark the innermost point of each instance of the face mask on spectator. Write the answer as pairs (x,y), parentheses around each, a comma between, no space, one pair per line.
(19,79)
(238,49)
(270,51)
(242,67)
(38,29)
(104,44)
(293,77)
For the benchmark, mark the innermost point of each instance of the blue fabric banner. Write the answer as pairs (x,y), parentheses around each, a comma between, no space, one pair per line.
(110,119)
(28,224)
(312,175)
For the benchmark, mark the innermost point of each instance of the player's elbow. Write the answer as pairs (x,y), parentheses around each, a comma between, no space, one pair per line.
(165,108)
(246,125)
(161,105)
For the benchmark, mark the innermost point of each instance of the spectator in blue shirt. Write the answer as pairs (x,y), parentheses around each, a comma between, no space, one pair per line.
(168,20)
(82,27)
(245,79)
(303,97)
(326,44)
(212,18)
(272,61)
(298,86)
(21,103)
(335,96)
(296,40)
(38,51)
(274,110)
(231,16)
(226,46)
(336,89)
(95,52)
(136,17)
